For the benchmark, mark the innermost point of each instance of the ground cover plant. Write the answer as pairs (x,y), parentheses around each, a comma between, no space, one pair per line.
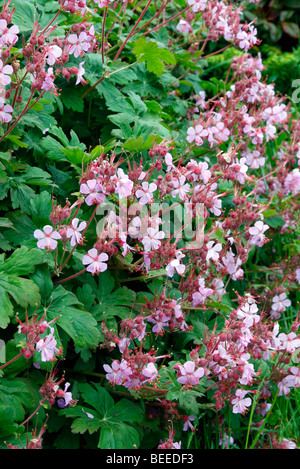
(149,230)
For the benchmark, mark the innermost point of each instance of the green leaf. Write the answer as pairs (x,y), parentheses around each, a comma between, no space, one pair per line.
(154,56)
(37,177)
(275,222)
(118,436)
(71,98)
(126,411)
(119,303)
(139,144)
(16,139)
(96,396)
(110,417)
(41,207)
(22,261)
(23,291)
(21,197)
(74,320)
(5,223)
(17,395)
(6,308)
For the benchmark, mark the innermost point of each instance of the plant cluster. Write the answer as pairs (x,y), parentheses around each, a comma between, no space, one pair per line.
(150,240)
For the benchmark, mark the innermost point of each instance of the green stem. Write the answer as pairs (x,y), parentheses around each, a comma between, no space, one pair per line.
(264,422)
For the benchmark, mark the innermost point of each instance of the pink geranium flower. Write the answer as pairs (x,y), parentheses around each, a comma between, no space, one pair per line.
(78,45)
(150,372)
(196,134)
(93,190)
(73,231)
(47,238)
(184,27)
(189,375)
(5,111)
(52,54)
(5,72)
(47,347)
(152,239)
(213,251)
(257,233)
(117,372)
(240,403)
(146,193)
(8,35)
(96,262)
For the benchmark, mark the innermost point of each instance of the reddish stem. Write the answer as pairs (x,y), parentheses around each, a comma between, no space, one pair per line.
(11,361)
(26,109)
(167,21)
(33,413)
(70,278)
(132,31)
(103,31)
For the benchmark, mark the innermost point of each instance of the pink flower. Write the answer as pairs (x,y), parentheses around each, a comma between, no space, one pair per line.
(279,305)
(196,134)
(239,403)
(73,231)
(150,372)
(284,387)
(93,190)
(169,161)
(198,5)
(257,233)
(123,184)
(78,5)
(47,238)
(80,74)
(5,111)
(292,182)
(187,423)
(5,72)
(175,265)
(8,36)
(218,132)
(184,27)
(294,378)
(199,297)
(201,100)
(276,114)
(297,272)
(95,261)
(152,239)
(78,45)
(254,159)
(146,193)
(188,374)
(160,320)
(53,53)
(199,171)
(289,342)
(240,169)
(118,372)
(48,83)
(213,251)
(47,347)
(247,313)
(288,444)
(181,189)
(103,3)
(67,395)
